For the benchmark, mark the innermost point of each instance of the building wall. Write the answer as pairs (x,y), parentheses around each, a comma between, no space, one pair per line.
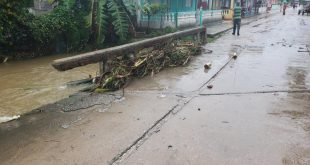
(43,5)
(185,19)
(184,10)
(175,5)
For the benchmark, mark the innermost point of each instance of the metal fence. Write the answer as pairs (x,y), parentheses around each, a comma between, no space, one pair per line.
(176,19)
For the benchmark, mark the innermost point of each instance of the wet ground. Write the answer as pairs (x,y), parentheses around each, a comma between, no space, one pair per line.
(30,84)
(257,112)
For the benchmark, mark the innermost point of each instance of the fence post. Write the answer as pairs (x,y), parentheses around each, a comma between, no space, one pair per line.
(103,66)
(198,37)
(200,20)
(204,36)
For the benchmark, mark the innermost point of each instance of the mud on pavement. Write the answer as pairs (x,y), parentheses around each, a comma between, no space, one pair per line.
(257,111)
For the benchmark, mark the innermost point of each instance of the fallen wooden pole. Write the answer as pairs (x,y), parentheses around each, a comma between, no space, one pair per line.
(101,55)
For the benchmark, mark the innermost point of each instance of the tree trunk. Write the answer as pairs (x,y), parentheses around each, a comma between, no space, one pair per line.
(161,21)
(94,25)
(148,24)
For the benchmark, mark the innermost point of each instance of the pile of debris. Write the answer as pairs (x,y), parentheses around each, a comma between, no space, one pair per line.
(148,61)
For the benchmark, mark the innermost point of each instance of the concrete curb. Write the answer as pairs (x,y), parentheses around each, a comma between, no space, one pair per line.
(245,23)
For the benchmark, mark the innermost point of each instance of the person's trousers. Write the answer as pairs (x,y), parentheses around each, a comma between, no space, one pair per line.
(237,23)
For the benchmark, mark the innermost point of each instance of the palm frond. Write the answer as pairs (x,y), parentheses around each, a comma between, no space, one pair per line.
(131,7)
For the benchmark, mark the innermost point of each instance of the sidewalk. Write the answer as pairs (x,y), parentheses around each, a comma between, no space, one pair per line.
(216,28)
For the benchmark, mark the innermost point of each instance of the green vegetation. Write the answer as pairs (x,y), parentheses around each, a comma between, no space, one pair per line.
(151,9)
(111,20)
(72,26)
(15,32)
(166,30)
(211,39)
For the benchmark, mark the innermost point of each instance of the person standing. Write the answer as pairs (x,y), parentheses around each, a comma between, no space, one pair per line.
(284,8)
(237,19)
(300,9)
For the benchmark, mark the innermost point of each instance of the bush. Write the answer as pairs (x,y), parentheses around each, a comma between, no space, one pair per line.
(59,26)
(170,30)
(22,34)
(15,33)
(72,26)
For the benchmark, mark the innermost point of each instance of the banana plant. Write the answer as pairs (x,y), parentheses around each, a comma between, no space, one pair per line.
(107,17)
(111,15)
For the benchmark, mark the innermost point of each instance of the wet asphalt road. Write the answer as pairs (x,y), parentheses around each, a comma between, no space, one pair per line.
(258,111)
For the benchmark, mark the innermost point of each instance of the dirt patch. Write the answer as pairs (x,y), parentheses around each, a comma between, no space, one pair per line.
(297,156)
(296,114)
(80,101)
(257,25)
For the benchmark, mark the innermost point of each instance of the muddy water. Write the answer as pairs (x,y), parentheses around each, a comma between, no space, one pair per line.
(26,85)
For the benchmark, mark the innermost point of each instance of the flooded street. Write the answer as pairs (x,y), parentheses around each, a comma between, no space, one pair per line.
(252,109)
(26,85)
